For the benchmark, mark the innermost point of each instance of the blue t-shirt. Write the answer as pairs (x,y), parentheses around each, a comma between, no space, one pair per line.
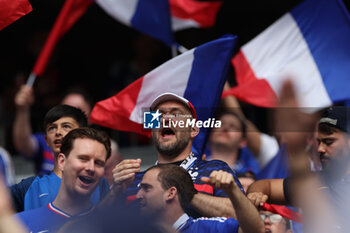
(43,156)
(46,219)
(35,192)
(207,225)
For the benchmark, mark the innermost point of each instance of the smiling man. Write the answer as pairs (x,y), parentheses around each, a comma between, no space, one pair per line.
(174,147)
(83,155)
(38,191)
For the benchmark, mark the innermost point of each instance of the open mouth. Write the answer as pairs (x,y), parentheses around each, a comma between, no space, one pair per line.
(167,132)
(267,230)
(58,142)
(86,180)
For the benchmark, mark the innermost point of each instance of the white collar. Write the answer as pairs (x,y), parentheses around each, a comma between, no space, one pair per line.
(180,222)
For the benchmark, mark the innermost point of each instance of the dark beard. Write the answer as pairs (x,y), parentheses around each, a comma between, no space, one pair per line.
(174,149)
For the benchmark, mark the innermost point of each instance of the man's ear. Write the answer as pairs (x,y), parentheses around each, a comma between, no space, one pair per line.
(61,160)
(194,131)
(171,193)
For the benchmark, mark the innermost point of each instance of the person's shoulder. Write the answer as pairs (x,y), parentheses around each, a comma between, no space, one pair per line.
(215,224)
(29,214)
(217,164)
(24,183)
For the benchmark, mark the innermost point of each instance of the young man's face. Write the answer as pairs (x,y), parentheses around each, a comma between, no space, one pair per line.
(332,146)
(151,194)
(83,168)
(173,140)
(56,130)
(229,135)
(274,223)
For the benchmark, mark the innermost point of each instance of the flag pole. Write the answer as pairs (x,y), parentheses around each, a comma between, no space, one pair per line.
(31,80)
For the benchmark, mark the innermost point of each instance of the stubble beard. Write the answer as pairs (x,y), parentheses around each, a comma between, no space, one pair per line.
(174,149)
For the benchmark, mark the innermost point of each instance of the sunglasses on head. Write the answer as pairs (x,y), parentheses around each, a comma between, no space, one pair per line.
(274,218)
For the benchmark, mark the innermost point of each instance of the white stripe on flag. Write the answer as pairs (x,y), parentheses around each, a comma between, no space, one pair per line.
(179,24)
(172,76)
(282,48)
(122,10)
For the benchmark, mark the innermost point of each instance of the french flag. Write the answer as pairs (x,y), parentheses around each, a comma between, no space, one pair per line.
(151,17)
(309,45)
(198,75)
(193,13)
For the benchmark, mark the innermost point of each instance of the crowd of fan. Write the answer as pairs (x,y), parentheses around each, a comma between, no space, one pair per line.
(83,185)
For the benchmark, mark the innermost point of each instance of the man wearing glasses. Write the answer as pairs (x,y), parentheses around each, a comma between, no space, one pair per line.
(275,223)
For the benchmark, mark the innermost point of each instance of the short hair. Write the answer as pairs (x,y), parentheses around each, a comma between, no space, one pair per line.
(63,110)
(79,91)
(241,121)
(171,175)
(85,132)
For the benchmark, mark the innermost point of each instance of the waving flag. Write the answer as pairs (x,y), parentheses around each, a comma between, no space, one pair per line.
(309,45)
(71,11)
(151,17)
(193,13)
(11,10)
(198,75)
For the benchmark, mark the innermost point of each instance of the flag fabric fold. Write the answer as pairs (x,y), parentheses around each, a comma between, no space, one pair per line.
(198,75)
(151,17)
(11,10)
(71,11)
(309,45)
(192,13)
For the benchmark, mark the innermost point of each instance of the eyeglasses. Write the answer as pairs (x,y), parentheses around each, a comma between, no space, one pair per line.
(274,218)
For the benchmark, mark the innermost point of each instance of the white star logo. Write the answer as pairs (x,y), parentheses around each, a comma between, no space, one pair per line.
(156,115)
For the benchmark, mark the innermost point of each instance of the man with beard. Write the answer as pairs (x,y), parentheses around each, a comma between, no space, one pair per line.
(174,147)
(83,155)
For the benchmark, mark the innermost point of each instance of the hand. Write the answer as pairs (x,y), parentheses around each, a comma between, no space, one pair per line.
(257,198)
(124,173)
(24,97)
(220,180)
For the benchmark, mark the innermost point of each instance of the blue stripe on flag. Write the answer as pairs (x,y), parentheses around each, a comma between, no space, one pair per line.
(152,17)
(206,82)
(325,25)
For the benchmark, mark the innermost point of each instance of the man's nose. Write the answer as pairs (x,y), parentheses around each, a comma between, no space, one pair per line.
(321,148)
(90,166)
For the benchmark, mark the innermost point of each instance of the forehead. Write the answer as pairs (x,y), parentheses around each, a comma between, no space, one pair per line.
(169,105)
(229,118)
(65,120)
(87,146)
(151,176)
(336,135)
(265,212)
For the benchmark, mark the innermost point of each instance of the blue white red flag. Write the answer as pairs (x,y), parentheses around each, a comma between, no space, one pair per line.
(198,75)
(151,17)
(309,45)
(193,13)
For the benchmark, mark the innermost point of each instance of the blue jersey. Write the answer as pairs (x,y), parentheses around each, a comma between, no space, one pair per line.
(43,190)
(45,219)
(196,168)
(207,225)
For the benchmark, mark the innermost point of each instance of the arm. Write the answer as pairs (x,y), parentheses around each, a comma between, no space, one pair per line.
(268,189)
(22,131)
(253,134)
(247,215)
(211,206)
(8,223)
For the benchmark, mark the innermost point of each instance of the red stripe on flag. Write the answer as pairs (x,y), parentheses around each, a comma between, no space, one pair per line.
(204,188)
(250,89)
(202,12)
(115,111)
(283,211)
(71,11)
(11,10)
